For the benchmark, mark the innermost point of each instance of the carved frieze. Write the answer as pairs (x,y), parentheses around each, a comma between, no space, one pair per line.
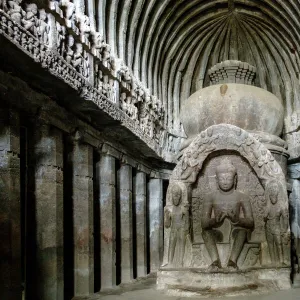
(28,26)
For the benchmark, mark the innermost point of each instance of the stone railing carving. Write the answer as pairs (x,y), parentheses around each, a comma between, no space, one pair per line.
(232,71)
(60,37)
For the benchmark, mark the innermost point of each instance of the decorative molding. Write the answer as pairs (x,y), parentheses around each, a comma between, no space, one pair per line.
(62,42)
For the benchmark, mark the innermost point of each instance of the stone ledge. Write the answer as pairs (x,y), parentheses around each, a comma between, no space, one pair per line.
(193,282)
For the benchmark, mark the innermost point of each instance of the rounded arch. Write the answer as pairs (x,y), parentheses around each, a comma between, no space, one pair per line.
(227,137)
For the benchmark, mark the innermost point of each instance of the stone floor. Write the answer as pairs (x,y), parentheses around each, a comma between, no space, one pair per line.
(152,294)
(145,290)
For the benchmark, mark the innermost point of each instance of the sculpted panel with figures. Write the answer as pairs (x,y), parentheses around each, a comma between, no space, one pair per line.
(228,199)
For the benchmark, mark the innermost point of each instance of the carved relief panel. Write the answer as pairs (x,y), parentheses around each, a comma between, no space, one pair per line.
(237,200)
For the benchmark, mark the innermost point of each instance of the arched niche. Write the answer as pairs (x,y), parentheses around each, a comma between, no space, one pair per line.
(218,141)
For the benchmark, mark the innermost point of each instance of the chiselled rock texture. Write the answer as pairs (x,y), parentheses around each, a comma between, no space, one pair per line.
(125,198)
(245,106)
(106,175)
(227,210)
(140,201)
(10,206)
(103,99)
(47,193)
(155,222)
(83,218)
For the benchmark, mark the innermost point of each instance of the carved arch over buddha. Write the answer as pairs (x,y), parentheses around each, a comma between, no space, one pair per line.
(219,140)
(230,138)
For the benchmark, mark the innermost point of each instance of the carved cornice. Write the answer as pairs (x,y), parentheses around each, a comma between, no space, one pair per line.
(76,66)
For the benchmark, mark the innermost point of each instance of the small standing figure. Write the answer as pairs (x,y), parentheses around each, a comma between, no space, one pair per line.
(61,36)
(30,19)
(3,5)
(78,58)
(178,220)
(15,10)
(98,42)
(70,51)
(276,225)
(84,27)
(43,27)
(86,64)
(69,12)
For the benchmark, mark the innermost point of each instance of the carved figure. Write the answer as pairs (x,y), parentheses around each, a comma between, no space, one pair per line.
(178,220)
(86,64)
(69,12)
(125,73)
(277,221)
(30,19)
(171,144)
(54,4)
(226,203)
(106,53)
(98,43)
(78,58)
(43,27)
(98,78)
(15,10)
(3,5)
(84,26)
(70,51)
(61,36)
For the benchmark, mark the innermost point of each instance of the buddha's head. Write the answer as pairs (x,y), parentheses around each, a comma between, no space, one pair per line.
(226,175)
(176,195)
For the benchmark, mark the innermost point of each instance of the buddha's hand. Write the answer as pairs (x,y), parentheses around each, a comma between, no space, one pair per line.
(232,216)
(220,218)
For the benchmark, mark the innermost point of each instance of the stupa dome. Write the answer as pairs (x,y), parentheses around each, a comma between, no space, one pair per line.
(230,101)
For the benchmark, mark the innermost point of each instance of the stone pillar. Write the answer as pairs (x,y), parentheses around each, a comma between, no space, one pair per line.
(125,196)
(83,219)
(155,190)
(47,154)
(294,178)
(106,175)
(10,216)
(139,188)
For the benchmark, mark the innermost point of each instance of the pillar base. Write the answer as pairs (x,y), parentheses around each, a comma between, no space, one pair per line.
(192,282)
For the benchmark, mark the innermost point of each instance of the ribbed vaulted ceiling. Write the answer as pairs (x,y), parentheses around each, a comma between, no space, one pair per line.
(171,44)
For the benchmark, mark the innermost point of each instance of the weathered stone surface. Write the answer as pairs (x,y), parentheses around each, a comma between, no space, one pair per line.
(47,162)
(194,282)
(83,219)
(106,175)
(156,222)
(248,107)
(10,206)
(125,197)
(226,209)
(139,197)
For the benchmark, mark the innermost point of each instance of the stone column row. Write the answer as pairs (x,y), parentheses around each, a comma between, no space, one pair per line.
(121,186)
(46,190)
